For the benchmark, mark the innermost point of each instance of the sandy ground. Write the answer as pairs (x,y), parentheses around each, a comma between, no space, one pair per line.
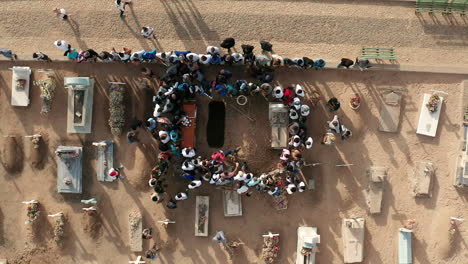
(329,29)
(340,191)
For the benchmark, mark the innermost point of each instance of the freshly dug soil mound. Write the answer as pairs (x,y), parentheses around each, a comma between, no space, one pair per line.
(37,151)
(9,153)
(91,225)
(215,126)
(138,177)
(443,240)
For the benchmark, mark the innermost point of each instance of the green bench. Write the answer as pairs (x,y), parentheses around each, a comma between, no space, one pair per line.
(442,6)
(378,53)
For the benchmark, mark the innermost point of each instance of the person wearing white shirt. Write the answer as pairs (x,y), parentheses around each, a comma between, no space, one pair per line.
(147,32)
(293,114)
(137,56)
(188,152)
(295,141)
(241,176)
(164,56)
(335,124)
(291,188)
(157,110)
(62,44)
(305,110)
(278,92)
(181,196)
(121,6)
(238,58)
(301,186)
(309,142)
(173,58)
(62,13)
(299,91)
(205,58)
(152,182)
(243,189)
(195,184)
(276,60)
(164,136)
(193,57)
(212,50)
(215,178)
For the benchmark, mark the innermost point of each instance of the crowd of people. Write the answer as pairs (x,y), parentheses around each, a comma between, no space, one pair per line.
(183,80)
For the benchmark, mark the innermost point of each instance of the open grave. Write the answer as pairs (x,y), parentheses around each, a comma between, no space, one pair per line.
(215,126)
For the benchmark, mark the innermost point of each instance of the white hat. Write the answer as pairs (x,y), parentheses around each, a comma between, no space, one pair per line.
(293,114)
(309,142)
(297,103)
(278,92)
(305,110)
(299,91)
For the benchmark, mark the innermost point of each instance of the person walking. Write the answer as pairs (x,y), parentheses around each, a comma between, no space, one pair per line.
(62,13)
(147,32)
(62,45)
(121,6)
(39,56)
(8,54)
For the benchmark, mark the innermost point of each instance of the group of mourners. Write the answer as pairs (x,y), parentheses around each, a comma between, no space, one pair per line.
(183,79)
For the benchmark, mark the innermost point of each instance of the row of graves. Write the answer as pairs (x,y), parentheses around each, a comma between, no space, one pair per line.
(79,119)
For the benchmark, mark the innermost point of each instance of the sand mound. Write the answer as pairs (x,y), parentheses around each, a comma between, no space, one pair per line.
(344,198)
(91,225)
(138,177)
(9,153)
(36,154)
(441,237)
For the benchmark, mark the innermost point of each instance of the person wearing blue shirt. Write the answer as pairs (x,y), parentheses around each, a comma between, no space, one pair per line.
(221,89)
(319,64)
(151,124)
(149,55)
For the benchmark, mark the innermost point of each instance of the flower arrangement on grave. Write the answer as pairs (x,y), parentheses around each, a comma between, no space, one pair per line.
(433,103)
(47,87)
(270,249)
(116,109)
(59,230)
(33,212)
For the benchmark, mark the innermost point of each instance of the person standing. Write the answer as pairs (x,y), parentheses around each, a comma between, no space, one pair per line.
(345,62)
(8,54)
(62,45)
(121,6)
(147,32)
(333,104)
(181,196)
(228,44)
(39,56)
(62,13)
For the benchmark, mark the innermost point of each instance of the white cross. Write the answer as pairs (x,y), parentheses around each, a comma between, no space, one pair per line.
(270,235)
(138,261)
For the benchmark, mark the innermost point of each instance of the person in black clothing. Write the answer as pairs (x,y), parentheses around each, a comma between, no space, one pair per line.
(172,204)
(308,63)
(345,63)
(266,46)
(228,44)
(247,49)
(136,124)
(333,104)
